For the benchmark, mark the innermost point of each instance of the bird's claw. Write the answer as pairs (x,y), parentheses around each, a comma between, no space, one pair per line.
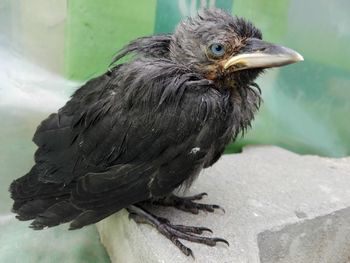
(187,203)
(195,197)
(175,232)
(189,233)
(192,229)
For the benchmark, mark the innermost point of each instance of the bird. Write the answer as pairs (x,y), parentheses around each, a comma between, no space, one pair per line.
(148,126)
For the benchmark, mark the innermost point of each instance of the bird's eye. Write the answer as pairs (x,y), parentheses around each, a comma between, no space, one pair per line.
(217,49)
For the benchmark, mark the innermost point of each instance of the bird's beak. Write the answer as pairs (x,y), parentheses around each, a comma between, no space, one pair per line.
(260,54)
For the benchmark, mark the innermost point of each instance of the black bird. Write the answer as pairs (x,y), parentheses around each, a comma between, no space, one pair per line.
(148,126)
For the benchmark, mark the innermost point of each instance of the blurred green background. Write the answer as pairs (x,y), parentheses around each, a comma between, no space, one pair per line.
(46,44)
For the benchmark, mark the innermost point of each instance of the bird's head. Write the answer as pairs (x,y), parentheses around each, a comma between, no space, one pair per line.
(226,48)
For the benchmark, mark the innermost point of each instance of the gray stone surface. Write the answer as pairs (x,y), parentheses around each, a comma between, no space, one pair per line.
(280,207)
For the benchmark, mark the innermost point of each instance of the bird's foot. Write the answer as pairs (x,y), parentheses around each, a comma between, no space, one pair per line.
(187,203)
(174,232)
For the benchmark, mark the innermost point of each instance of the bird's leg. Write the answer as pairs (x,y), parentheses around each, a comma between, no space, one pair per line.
(173,232)
(187,204)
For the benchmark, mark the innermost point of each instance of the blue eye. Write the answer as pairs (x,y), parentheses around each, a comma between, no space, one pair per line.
(217,49)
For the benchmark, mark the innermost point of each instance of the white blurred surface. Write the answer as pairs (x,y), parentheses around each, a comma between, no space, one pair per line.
(26,86)
(29,94)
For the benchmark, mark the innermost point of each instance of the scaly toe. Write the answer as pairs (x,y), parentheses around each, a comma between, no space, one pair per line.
(192,229)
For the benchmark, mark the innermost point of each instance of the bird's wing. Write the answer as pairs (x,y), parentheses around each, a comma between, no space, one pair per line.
(133,115)
(142,132)
(121,119)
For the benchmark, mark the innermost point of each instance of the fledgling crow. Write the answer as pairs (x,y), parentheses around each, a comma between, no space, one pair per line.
(148,126)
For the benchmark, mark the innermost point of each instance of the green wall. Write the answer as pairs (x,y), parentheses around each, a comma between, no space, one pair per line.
(95,30)
(169,13)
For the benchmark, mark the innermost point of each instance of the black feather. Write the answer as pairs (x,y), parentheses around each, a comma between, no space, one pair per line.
(138,131)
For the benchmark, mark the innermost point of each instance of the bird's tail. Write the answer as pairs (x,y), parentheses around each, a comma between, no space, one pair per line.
(47,203)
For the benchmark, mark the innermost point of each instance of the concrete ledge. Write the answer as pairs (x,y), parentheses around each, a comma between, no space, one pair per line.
(280,207)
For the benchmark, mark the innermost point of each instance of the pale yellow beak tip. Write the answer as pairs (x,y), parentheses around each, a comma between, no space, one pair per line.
(298,57)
